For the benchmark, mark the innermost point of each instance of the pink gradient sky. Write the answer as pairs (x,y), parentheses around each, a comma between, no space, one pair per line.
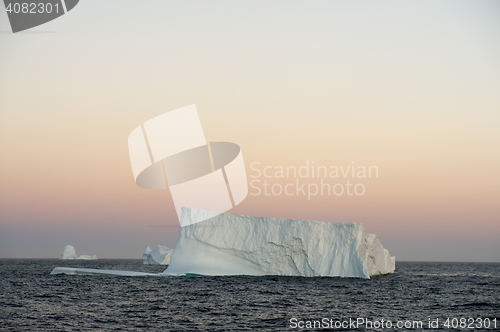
(413,88)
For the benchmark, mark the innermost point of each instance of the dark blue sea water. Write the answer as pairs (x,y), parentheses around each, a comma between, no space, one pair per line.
(33,300)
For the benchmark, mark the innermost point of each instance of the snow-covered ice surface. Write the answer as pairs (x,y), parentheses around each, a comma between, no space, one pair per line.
(159,256)
(233,244)
(81,271)
(69,252)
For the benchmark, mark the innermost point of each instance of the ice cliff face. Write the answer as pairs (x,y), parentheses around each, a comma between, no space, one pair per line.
(69,252)
(233,244)
(377,259)
(159,256)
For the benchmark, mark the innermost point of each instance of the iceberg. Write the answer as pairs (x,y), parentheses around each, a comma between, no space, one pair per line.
(145,255)
(233,244)
(159,256)
(69,252)
(87,257)
(95,272)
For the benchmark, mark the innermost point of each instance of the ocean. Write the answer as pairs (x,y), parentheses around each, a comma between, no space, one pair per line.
(419,296)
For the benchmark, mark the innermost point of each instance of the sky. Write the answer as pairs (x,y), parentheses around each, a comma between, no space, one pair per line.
(412,88)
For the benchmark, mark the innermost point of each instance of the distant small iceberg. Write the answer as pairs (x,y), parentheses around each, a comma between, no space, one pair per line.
(69,252)
(159,256)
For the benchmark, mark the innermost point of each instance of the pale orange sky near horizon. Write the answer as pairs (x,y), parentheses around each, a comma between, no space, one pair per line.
(413,88)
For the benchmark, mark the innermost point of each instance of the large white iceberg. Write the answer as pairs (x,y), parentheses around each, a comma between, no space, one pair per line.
(233,244)
(159,256)
(69,252)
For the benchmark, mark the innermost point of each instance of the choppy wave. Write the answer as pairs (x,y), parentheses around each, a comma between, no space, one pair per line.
(33,300)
